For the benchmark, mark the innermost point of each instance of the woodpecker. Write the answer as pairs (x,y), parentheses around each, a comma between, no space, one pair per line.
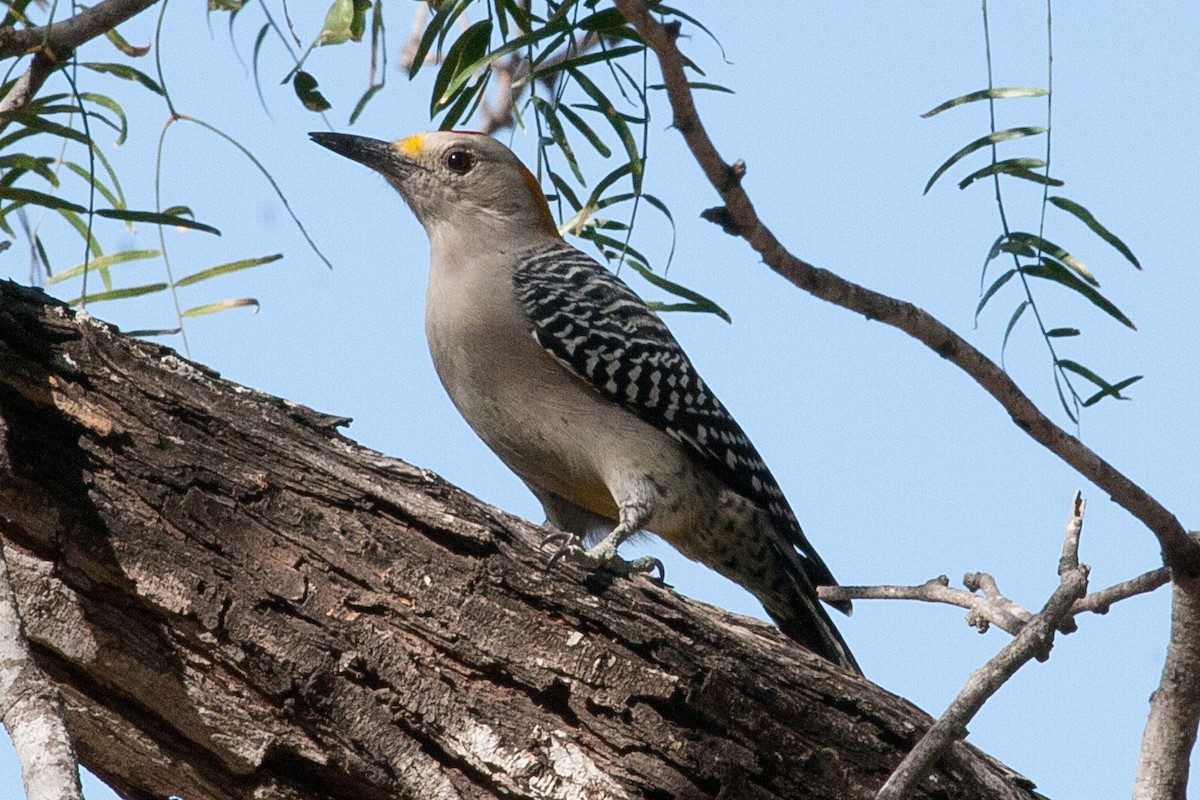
(578,386)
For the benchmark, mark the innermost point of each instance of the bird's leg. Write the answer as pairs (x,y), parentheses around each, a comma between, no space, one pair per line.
(633,518)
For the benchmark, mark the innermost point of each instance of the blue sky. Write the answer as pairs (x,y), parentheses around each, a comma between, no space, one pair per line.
(899,467)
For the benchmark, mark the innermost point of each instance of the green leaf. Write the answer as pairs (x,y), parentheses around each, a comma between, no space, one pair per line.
(1079,369)
(127,73)
(1044,246)
(81,228)
(995,287)
(221,305)
(120,294)
(696,86)
(1085,216)
(156,218)
(698,301)
(104,262)
(618,123)
(113,106)
(1112,391)
(580,125)
(460,64)
(142,333)
(96,182)
(445,14)
(362,101)
(1022,168)
(232,6)
(1059,333)
(564,190)
(1054,271)
(1012,323)
(21,163)
(42,125)
(580,61)
(345,21)
(305,86)
(998,93)
(992,138)
(560,136)
(225,269)
(124,46)
(38,199)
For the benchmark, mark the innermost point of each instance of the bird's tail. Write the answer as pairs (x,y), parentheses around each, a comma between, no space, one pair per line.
(792,602)
(744,545)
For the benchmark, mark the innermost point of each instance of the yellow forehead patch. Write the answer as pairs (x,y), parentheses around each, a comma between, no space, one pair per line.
(413,145)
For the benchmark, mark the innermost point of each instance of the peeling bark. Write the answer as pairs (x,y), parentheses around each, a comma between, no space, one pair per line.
(236,601)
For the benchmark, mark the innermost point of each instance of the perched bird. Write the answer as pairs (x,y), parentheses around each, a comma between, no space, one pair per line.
(580,388)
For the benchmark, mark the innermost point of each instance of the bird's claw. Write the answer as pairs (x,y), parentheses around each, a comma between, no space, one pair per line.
(569,546)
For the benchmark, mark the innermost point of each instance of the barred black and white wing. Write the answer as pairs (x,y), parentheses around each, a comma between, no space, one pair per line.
(596,327)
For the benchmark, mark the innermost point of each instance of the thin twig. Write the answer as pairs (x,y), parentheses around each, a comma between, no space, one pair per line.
(31,709)
(1178,550)
(1034,641)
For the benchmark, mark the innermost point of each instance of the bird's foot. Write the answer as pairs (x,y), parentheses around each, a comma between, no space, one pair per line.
(603,556)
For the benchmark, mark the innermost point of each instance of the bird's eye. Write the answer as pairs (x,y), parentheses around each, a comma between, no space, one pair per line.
(460,161)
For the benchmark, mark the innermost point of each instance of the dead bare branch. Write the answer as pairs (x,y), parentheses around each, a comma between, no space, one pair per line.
(1033,641)
(31,709)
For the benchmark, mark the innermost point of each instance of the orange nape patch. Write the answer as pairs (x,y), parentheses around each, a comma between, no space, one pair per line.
(549,227)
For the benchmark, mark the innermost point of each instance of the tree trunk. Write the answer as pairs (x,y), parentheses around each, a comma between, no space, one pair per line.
(239,602)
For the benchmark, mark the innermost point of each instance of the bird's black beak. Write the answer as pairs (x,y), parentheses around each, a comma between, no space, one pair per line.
(373,153)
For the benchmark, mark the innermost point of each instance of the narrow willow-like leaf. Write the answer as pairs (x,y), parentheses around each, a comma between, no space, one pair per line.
(113,106)
(142,333)
(1067,406)
(560,136)
(464,106)
(1079,369)
(97,183)
(119,41)
(1047,247)
(588,133)
(126,72)
(617,121)
(120,294)
(1085,216)
(607,181)
(42,125)
(995,287)
(18,163)
(1112,391)
(38,199)
(156,219)
(221,305)
(997,93)
(225,269)
(583,60)
(696,86)
(992,138)
(1052,270)
(699,301)
(459,64)
(612,248)
(104,262)
(1008,329)
(1060,333)
(442,20)
(81,228)
(1022,168)
(564,191)
(362,102)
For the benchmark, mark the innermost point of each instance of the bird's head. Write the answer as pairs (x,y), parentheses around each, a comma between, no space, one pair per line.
(454,180)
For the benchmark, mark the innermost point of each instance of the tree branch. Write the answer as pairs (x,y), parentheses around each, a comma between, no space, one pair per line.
(238,602)
(31,709)
(1033,641)
(1170,734)
(60,38)
(1179,552)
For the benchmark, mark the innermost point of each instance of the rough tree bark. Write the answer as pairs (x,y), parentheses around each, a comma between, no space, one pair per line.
(239,602)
